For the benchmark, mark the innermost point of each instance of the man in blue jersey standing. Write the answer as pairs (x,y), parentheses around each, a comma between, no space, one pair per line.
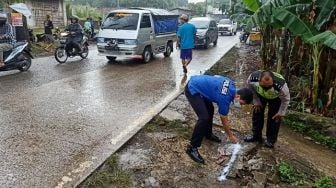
(186,41)
(204,90)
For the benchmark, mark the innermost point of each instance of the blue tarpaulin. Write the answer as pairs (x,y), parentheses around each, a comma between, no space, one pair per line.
(168,25)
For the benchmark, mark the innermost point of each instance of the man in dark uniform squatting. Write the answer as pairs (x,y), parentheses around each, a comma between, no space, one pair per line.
(268,88)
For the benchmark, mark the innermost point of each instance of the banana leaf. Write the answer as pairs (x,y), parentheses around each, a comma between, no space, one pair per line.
(328,8)
(327,38)
(252,5)
(292,22)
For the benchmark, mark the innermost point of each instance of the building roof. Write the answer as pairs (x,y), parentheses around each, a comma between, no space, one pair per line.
(181,8)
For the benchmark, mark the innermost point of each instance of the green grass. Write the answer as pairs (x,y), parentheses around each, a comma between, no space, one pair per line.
(324,182)
(177,126)
(289,174)
(286,172)
(316,135)
(109,175)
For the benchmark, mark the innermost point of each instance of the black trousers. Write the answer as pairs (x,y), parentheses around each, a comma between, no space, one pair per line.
(205,111)
(273,126)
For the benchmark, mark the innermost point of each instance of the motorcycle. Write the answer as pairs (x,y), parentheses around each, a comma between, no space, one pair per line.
(57,33)
(62,55)
(18,58)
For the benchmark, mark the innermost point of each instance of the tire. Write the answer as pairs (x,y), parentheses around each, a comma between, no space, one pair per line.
(85,52)
(59,53)
(231,34)
(222,34)
(215,42)
(147,55)
(206,45)
(25,67)
(235,33)
(169,50)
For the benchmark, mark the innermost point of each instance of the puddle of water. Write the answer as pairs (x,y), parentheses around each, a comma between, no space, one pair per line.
(235,150)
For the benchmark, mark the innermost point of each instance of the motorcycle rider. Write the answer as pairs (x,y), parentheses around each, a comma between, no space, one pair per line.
(7,39)
(76,33)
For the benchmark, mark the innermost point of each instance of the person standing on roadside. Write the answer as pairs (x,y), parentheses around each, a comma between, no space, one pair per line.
(186,41)
(48,26)
(204,90)
(268,88)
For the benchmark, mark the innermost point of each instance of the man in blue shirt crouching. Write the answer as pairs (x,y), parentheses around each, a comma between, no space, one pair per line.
(204,90)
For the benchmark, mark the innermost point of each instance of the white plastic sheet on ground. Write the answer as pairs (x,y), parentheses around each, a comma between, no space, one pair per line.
(235,150)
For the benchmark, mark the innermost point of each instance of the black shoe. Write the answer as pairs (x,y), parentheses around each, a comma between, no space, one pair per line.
(214,138)
(194,155)
(252,139)
(268,144)
(185,70)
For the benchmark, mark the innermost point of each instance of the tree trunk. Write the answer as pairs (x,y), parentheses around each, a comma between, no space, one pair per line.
(316,62)
(280,52)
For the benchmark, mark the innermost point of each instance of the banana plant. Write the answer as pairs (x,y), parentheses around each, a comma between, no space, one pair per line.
(311,36)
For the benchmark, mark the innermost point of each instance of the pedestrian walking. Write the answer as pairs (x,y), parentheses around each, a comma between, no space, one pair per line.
(269,88)
(204,90)
(186,34)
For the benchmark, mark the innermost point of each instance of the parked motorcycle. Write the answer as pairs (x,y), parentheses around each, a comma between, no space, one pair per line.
(62,55)
(18,58)
(57,33)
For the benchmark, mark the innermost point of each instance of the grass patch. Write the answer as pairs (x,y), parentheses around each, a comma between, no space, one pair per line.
(286,172)
(316,135)
(159,122)
(289,174)
(324,182)
(109,175)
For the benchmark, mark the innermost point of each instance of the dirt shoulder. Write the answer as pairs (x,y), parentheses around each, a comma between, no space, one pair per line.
(156,157)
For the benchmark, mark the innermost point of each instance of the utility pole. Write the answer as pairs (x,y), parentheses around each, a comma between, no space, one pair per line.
(206,8)
(118,4)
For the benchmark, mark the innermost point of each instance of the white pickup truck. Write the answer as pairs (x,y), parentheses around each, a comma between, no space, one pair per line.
(227,26)
(137,33)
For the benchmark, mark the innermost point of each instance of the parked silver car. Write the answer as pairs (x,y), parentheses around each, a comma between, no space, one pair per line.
(207,31)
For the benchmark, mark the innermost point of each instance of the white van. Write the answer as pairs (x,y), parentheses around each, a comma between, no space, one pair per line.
(137,32)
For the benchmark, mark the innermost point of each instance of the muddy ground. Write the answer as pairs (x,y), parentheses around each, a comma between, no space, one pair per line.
(156,156)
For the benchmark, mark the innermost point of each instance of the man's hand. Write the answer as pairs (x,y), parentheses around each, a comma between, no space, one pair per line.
(233,139)
(277,117)
(257,108)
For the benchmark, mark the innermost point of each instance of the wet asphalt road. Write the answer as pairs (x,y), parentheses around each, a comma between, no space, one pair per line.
(59,122)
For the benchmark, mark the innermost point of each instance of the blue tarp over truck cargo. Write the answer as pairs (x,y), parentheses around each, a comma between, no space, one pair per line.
(164,21)
(165,24)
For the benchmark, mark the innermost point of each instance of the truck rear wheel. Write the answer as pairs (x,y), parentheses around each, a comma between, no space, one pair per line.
(169,49)
(147,55)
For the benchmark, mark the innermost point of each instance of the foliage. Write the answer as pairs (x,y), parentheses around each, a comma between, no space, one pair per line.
(286,172)
(197,8)
(324,182)
(166,4)
(109,174)
(297,33)
(316,135)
